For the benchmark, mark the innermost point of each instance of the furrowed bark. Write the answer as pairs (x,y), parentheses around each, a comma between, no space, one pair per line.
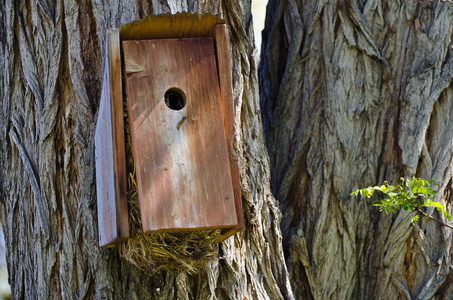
(354,93)
(51,56)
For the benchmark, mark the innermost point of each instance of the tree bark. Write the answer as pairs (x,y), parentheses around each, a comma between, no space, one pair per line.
(354,93)
(51,57)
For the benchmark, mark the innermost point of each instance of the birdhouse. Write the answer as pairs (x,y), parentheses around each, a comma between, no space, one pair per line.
(176,76)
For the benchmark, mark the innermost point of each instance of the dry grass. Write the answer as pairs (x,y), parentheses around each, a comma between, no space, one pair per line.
(182,251)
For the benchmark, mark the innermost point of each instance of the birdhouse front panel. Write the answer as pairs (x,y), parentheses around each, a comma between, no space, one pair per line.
(178,138)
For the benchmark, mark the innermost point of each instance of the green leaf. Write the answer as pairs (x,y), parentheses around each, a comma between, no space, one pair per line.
(409,194)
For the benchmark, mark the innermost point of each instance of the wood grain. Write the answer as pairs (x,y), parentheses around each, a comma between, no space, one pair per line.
(226,93)
(183,174)
(110,151)
(180,25)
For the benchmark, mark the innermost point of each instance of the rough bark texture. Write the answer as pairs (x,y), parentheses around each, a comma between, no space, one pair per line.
(354,93)
(51,57)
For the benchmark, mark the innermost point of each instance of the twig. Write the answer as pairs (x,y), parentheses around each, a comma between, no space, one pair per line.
(432,218)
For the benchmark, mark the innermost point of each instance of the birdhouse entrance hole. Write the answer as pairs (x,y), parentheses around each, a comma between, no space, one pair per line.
(175,99)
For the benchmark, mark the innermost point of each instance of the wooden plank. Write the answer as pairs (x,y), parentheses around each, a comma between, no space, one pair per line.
(110,151)
(226,92)
(180,25)
(181,157)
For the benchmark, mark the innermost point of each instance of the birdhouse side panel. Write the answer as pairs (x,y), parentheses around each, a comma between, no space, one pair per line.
(228,110)
(105,181)
(110,151)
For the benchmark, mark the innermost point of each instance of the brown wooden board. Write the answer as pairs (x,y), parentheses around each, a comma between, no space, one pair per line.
(226,92)
(165,26)
(110,151)
(181,157)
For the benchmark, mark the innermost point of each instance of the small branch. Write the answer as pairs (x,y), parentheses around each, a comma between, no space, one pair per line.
(432,218)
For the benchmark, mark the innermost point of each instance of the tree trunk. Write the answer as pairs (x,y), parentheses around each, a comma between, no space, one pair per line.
(354,93)
(51,58)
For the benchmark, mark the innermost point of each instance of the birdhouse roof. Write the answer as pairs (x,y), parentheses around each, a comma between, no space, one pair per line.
(180,25)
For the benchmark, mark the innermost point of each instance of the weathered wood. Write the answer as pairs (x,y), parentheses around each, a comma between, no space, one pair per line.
(110,151)
(180,25)
(181,158)
(228,112)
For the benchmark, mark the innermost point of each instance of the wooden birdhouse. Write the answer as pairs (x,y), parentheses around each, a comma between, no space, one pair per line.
(177,78)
